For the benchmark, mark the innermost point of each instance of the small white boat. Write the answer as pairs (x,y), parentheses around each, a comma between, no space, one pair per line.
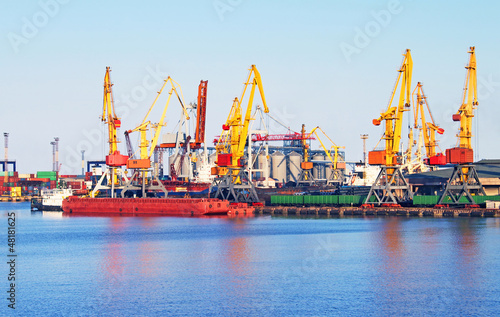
(51,199)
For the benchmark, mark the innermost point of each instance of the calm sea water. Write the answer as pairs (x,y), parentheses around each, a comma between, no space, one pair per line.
(264,266)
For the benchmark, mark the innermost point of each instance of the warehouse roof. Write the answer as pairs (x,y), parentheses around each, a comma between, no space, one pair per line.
(484,168)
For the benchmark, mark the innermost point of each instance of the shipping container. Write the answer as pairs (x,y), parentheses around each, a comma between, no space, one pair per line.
(49,174)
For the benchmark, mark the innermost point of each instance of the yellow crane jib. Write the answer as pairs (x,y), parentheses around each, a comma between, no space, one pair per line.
(429,129)
(464,153)
(305,164)
(231,144)
(147,147)
(393,117)
(328,153)
(109,117)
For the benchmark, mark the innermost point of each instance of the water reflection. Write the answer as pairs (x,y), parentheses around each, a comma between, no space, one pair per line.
(465,235)
(391,247)
(148,250)
(237,263)
(47,214)
(113,264)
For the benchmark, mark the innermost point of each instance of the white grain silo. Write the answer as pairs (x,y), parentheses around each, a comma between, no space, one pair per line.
(278,166)
(294,160)
(318,169)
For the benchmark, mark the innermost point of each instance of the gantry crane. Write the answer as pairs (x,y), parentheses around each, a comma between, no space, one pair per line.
(142,165)
(336,175)
(464,181)
(183,141)
(428,128)
(426,136)
(391,187)
(201,114)
(112,178)
(232,179)
(306,177)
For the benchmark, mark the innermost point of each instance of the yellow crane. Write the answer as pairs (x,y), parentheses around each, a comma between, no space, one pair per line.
(112,178)
(390,187)
(464,153)
(335,159)
(306,176)
(231,145)
(393,117)
(109,117)
(146,147)
(231,181)
(464,181)
(429,128)
(335,175)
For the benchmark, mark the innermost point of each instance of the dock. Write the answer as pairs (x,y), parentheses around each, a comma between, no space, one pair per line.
(376,211)
(14,199)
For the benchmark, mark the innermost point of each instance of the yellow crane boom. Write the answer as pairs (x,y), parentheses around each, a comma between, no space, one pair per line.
(469,102)
(393,117)
(231,145)
(145,155)
(334,146)
(429,128)
(114,158)
(464,153)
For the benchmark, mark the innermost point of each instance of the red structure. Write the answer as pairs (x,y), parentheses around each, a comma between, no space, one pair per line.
(185,207)
(295,136)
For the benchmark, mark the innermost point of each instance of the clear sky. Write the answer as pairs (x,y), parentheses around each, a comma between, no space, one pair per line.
(327,63)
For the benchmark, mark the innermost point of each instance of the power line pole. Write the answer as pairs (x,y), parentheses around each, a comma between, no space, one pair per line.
(83,162)
(364,137)
(6,166)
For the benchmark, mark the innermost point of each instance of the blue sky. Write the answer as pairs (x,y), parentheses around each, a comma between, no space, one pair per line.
(54,55)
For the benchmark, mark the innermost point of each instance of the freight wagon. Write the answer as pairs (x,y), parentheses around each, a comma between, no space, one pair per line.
(358,200)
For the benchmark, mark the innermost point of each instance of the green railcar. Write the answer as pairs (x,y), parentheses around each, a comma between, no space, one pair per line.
(331,199)
(425,200)
(275,200)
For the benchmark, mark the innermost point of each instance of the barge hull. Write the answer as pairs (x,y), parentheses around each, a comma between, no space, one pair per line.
(145,206)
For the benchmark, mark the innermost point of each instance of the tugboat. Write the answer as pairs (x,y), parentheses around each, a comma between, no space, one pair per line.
(50,199)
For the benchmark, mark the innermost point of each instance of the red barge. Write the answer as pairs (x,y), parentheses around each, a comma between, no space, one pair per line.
(145,206)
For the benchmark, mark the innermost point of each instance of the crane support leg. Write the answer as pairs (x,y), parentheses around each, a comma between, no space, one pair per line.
(154,185)
(107,182)
(227,189)
(336,178)
(306,178)
(390,187)
(464,182)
